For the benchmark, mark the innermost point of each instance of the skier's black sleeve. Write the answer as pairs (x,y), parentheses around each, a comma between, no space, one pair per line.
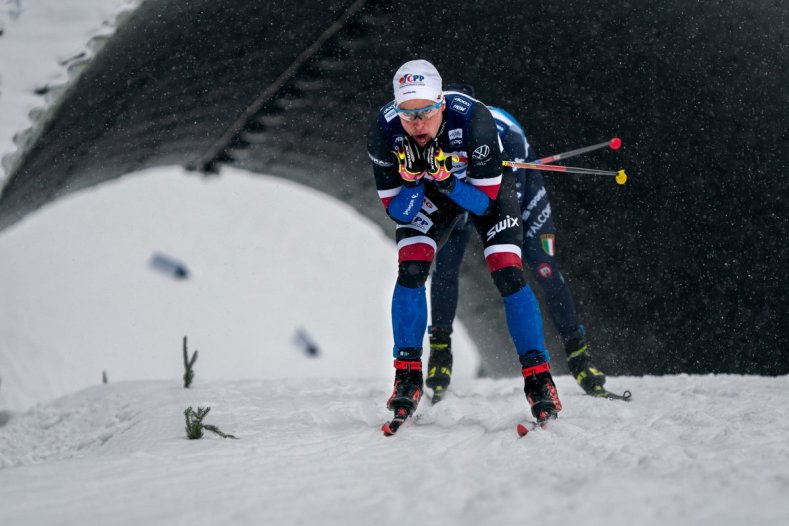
(517,149)
(484,150)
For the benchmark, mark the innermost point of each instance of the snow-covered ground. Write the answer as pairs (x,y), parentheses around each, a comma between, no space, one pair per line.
(687,451)
(78,297)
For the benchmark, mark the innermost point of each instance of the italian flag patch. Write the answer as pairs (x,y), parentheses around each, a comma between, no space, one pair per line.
(548,243)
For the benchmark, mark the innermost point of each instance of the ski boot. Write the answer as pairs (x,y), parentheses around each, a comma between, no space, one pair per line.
(439,366)
(590,378)
(407,387)
(541,392)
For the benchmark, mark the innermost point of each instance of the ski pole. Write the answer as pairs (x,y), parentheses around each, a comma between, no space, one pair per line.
(614,144)
(541,164)
(621,176)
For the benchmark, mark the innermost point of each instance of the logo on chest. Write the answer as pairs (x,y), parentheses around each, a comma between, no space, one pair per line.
(456,137)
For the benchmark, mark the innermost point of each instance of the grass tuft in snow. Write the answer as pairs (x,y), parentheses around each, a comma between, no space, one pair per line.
(195,425)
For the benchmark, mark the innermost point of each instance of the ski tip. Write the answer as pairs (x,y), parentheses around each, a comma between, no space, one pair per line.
(387,431)
(521,430)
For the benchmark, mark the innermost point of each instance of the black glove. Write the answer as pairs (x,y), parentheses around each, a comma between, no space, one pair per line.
(411,160)
(439,166)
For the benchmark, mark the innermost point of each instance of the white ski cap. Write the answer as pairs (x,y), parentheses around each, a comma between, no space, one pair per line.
(417,79)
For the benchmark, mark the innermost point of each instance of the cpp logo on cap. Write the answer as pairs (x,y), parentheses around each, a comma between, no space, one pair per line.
(409,78)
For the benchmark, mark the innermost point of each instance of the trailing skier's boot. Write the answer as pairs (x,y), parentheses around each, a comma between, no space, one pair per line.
(541,392)
(439,366)
(590,378)
(407,386)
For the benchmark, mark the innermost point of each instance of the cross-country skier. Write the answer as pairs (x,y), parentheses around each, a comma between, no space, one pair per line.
(539,254)
(410,145)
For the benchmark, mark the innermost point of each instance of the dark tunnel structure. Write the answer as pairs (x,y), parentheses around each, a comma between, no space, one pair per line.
(681,270)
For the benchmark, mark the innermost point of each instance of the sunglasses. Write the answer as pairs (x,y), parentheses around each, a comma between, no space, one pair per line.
(419,113)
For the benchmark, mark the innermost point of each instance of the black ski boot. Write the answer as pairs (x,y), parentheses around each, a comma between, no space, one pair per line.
(407,387)
(590,378)
(541,392)
(439,366)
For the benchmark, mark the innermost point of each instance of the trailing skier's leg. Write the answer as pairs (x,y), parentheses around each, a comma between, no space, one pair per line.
(589,377)
(439,366)
(539,254)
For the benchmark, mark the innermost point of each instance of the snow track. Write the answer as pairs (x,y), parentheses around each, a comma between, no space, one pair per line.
(687,450)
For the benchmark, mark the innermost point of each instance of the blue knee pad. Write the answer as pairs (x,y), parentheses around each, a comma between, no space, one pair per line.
(409,321)
(525,324)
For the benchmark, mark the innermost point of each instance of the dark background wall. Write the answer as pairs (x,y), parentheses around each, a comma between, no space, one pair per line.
(681,270)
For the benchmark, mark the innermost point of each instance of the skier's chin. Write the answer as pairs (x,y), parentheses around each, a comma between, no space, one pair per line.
(422,138)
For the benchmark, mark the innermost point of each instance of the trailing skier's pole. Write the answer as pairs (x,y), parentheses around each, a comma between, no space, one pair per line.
(614,144)
(544,163)
(621,176)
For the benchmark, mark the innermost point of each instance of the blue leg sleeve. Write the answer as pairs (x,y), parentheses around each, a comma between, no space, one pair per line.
(525,325)
(409,320)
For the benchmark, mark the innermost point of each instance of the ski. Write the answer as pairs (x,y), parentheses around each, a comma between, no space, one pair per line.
(601,392)
(523,428)
(391,427)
